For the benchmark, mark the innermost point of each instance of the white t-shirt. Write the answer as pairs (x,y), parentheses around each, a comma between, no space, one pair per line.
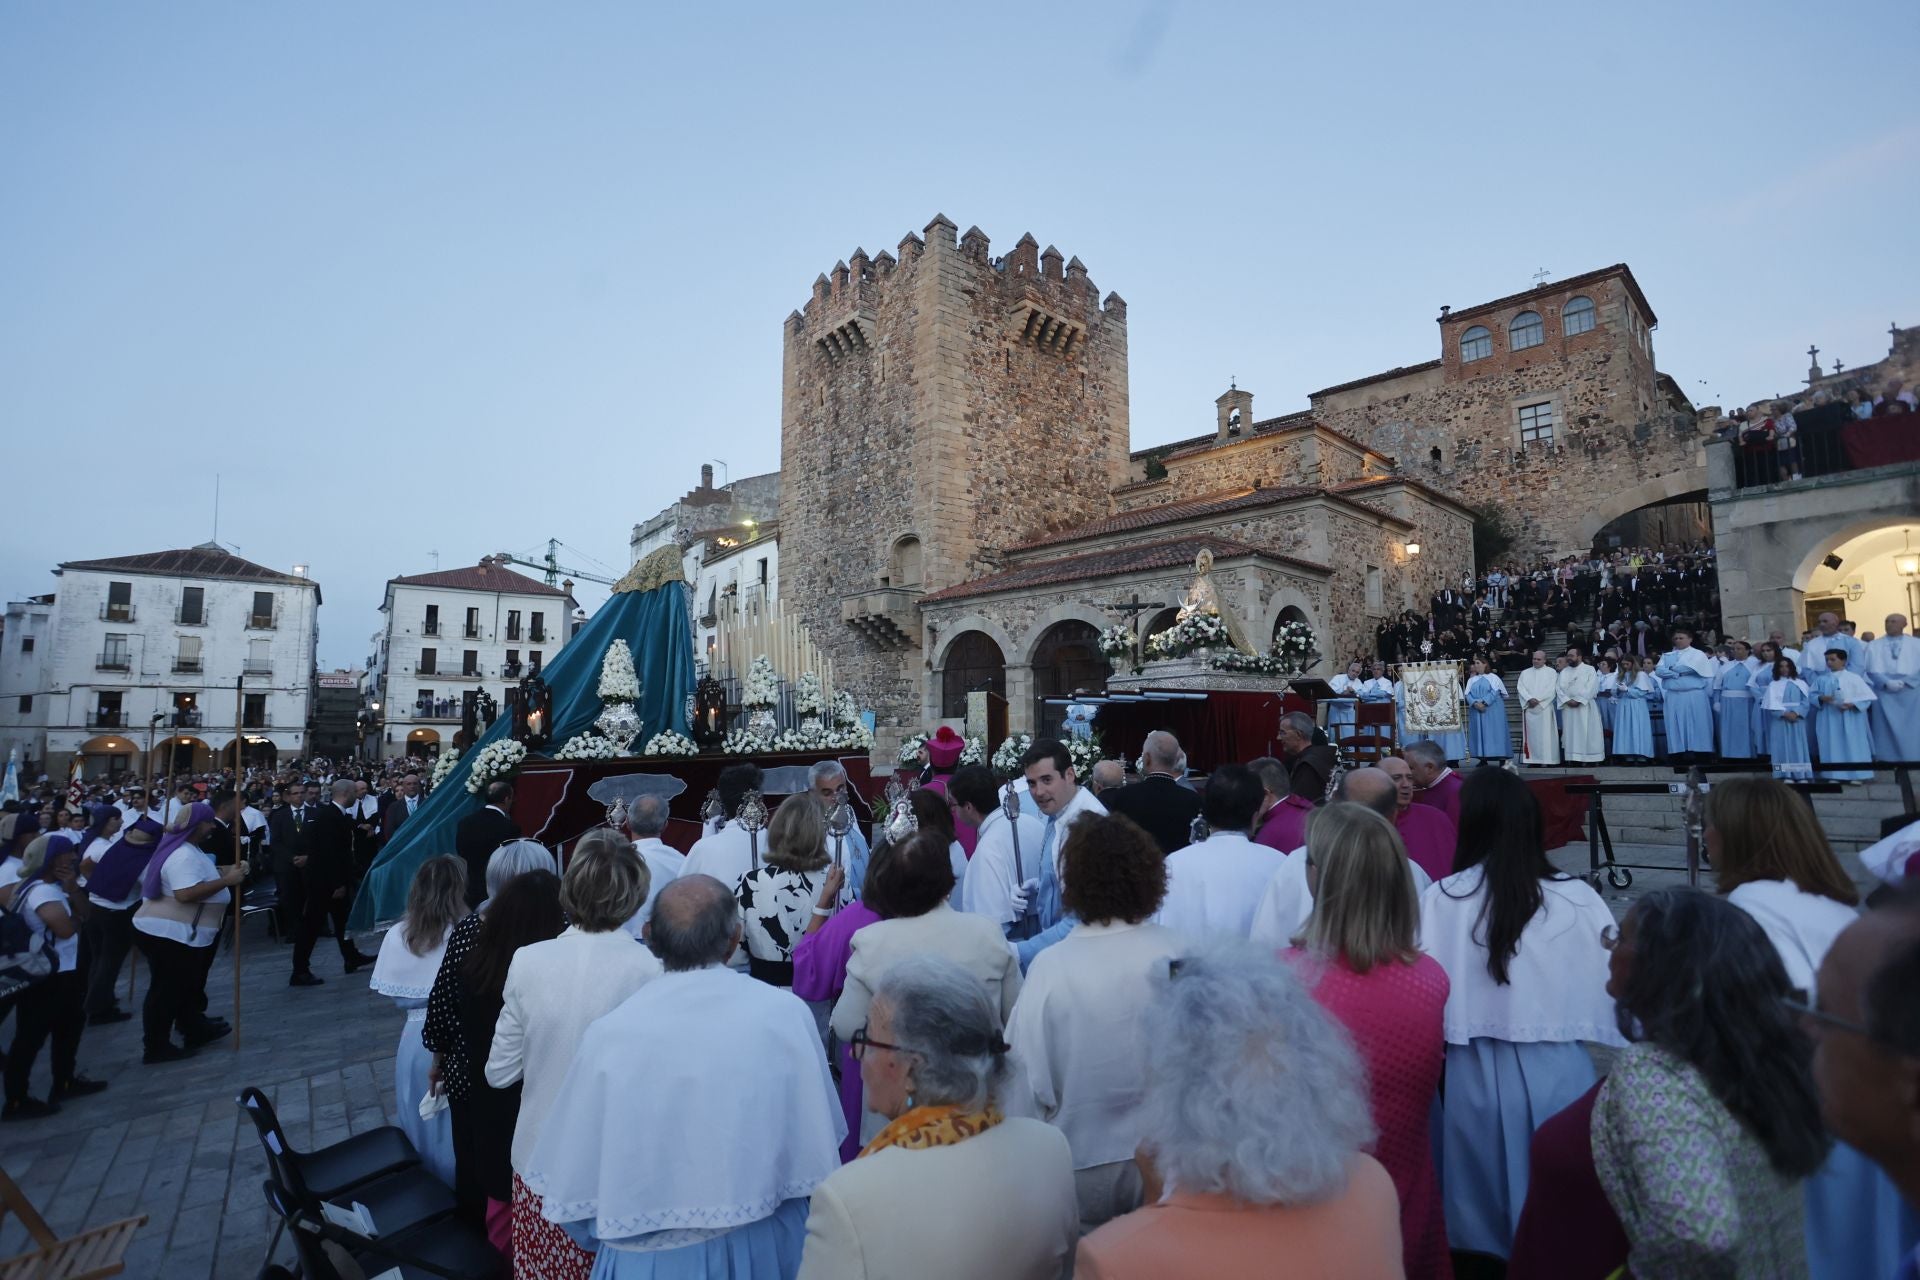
(98,850)
(67,950)
(184,868)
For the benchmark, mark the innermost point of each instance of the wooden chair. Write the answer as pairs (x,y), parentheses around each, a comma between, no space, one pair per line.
(94,1253)
(1373,733)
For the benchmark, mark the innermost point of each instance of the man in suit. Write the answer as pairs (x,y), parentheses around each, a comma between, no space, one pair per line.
(1158,802)
(1309,764)
(402,807)
(328,868)
(479,834)
(287,840)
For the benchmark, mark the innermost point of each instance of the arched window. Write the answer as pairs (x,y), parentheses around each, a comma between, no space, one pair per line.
(906,563)
(1526,331)
(1475,344)
(1577,317)
(1067,659)
(1433,455)
(974,663)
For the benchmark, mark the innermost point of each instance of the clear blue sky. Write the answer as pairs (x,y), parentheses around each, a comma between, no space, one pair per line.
(459,277)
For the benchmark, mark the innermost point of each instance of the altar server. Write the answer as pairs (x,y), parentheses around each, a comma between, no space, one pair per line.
(1539,731)
(1787,704)
(1893,669)
(1487,736)
(1582,736)
(1633,718)
(734,1072)
(1840,726)
(1733,705)
(1685,674)
(1213,886)
(1346,690)
(1607,695)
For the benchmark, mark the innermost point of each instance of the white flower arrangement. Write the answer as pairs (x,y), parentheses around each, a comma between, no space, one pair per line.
(801,740)
(1258,664)
(809,696)
(850,737)
(443,766)
(588,745)
(1294,643)
(1085,753)
(975,752)
(910,750)
(669,743)
(618,683)
(845,710)
(763,686)
(741,741)
(1195,632)
(1006,758)
(500,759)
(1116,641)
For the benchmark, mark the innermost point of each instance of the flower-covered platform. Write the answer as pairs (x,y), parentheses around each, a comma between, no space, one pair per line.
(1196,671)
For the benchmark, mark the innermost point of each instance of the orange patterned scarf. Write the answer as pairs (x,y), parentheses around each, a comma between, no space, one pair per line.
(925,1127)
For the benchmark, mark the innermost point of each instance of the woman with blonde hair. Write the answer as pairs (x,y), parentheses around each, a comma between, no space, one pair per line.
(404,971)
(777,897)
(1359,955)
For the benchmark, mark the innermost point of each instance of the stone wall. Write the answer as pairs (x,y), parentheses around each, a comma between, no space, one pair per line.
(966,401)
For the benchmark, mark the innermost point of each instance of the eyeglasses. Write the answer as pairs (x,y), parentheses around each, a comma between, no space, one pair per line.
(861,1042)
(1610,936)
(1806,1011)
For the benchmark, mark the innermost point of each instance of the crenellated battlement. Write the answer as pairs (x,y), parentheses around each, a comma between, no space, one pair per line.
(1039,278)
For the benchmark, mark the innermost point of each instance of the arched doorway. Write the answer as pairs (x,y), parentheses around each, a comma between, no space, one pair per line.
(1161,621)
(181,754)
(1864,578)
(1671,522)
(106,756)
(1292,613)
(256,753)
(423,743)
(974,663)
(1066,660)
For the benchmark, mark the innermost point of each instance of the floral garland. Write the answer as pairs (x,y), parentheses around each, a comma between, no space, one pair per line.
(763,686)
(851,737)
(669,743)
(1258,664)
(1006,758)
(1196,631)
(741,741)
(1294,642)
(444,764)
(910,750)
(589,744)
(618,682)
(975,752)
(809,696)
(500,759)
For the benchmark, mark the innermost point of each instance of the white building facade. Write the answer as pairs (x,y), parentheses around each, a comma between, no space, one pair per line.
(480,629)
(188,653)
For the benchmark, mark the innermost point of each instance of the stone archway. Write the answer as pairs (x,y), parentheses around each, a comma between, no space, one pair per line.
(424,743)
(973,662)
(109,754)
(1609,507)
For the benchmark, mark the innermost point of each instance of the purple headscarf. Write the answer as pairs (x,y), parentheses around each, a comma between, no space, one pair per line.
(120,866)
(150,880)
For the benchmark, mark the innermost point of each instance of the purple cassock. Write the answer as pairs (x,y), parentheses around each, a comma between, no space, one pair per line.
(1429,837)
(1444,795)
(820,973)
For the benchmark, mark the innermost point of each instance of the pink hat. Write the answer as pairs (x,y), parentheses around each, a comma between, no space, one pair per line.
(944,748)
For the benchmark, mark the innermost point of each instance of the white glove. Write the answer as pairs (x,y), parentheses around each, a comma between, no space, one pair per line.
(1023,897)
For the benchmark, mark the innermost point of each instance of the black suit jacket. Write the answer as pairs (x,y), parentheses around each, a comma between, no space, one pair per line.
(333,845)
(1160,805)
(285,840)
(475,839)
(218,844)
(394,814)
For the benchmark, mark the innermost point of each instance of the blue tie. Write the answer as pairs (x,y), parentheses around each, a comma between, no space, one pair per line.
(1048,903)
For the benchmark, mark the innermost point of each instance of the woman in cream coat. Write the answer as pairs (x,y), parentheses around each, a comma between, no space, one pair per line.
(949,1189)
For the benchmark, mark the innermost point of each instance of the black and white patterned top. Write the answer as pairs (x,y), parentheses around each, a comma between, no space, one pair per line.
(775,908)
(442,1033)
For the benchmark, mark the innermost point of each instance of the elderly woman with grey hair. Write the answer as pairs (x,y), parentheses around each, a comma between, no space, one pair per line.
(932,1061)
(1256,1114)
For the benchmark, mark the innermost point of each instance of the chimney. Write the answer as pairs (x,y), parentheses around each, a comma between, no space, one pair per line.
(706,475)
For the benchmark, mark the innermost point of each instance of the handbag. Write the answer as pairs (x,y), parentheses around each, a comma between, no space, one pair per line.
(26,955)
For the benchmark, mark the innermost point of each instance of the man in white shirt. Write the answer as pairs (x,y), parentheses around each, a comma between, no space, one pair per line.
(1288,901)
(827,782)
(1214,886)
(1539,690)
(1007,853)
(1061,800)
(1581,732)
(728,854)
(1893,669)
(646,819)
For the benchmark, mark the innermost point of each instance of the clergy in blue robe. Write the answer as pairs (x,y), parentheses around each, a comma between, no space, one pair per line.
(1733,706)
(1840,729)
(1607,696)
(1685,674)
(1346,691)
(1893,669)
(1757,686)
(1487,734)
(1376,688)
(1633,718)
(1812,661)
(1787,704)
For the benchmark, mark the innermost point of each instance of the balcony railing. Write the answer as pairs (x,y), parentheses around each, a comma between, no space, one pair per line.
(183,617)
(112,662)
(187,664)
(513,635)
(1830,440)
(429,628)
(107,720)
(471,633)
(512,670)
(538,635)
(116,613)
(185,720)
(257,667)
(262,721)
(263,622)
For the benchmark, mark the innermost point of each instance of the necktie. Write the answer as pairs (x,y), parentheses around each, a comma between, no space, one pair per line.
(1049,897)
(299,818)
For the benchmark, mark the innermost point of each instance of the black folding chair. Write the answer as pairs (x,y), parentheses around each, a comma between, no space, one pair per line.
(443,1250)
(347,1170)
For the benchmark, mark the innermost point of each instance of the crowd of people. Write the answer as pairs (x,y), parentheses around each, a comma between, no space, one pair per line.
(1794,439)
(1349,1018)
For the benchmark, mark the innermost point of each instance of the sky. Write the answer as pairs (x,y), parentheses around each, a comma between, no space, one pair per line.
(457,278)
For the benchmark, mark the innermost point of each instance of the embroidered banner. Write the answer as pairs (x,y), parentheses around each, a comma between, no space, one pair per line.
(1433,697)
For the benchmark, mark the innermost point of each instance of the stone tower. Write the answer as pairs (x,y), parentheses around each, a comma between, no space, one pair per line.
(937,407)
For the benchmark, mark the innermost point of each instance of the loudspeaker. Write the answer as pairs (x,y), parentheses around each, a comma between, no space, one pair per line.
(1833,562)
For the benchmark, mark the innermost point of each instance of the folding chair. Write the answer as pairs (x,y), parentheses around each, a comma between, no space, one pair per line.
(94,1253)
(447,1250)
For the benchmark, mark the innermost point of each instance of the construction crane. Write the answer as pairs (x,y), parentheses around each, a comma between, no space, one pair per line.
(552,568)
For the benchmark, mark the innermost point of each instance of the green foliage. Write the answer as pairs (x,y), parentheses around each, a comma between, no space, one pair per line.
(1492,538)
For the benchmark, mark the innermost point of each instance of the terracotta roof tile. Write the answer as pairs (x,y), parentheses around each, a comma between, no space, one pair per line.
(480,577)
(1147,517)
(208,560)
(1106,564)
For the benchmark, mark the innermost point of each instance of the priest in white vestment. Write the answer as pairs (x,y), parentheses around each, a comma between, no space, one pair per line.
(1582,733)
(1893,669)
(1214,886)
(1539,693)
(698,1115)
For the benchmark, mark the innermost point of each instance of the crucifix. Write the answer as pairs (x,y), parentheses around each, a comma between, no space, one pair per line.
(1837,367)
(1540,276)
(1813,354)
(1134,608)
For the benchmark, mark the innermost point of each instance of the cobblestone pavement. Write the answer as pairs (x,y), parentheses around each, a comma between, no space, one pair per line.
(169,1142)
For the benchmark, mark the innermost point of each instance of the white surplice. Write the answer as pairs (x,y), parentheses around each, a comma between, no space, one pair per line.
(1800,925)
(1582,737)
(1541,734)
(1214,886)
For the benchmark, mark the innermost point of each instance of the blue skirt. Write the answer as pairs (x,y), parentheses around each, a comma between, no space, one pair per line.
(433,1139)
(1857,1224)
(1736,726)
(1787,748)
(1633,729)
(1497,1094)
(765,1250)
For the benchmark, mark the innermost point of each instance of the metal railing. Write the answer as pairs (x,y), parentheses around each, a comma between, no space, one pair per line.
(263,622)
(257,667)
(430,628)
(185,720)
(112,661)
(107,720)
(116,613)
(187,664)
(199,618)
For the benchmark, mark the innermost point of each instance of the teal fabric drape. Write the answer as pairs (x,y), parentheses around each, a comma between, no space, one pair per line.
(655,626)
